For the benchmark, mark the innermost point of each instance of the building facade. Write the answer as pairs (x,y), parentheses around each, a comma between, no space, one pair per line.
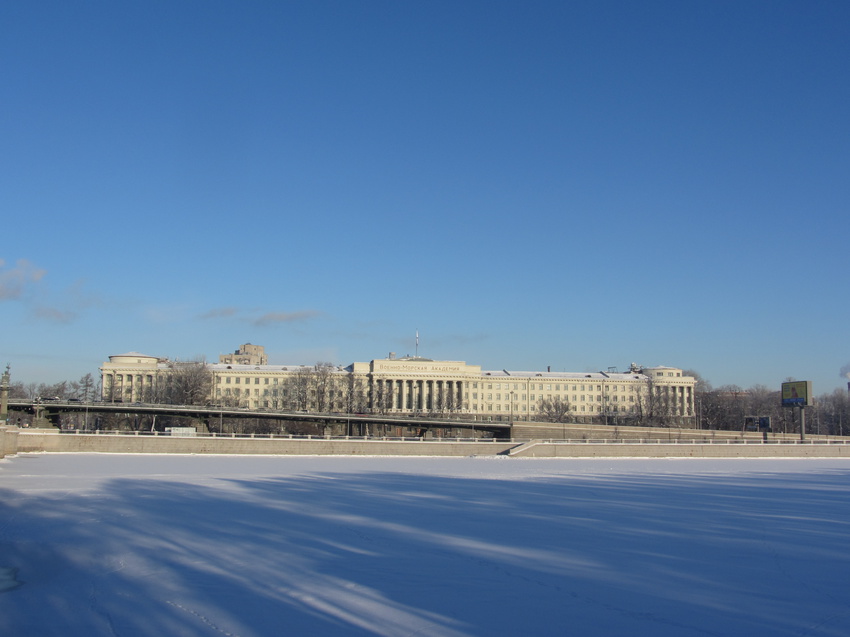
(412,385)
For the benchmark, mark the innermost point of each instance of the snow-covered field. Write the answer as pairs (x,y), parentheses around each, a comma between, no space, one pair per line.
(253,546)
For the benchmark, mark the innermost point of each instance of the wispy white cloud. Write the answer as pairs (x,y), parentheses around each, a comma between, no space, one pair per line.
(167,314)
(220,312)
(25,283)
(274,318)
(14,280)
(54,315)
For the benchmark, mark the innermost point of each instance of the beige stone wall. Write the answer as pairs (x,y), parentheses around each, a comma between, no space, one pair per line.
(679,450)
(52,441)
(110,443)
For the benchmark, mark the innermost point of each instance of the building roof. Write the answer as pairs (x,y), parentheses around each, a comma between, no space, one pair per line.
(504,373)
(134,355)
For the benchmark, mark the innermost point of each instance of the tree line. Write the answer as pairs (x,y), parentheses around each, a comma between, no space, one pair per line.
(723,408)
(85,389)
(727,407)
(318,388)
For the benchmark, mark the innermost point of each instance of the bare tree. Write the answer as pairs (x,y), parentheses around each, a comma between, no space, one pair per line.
(654,405)
(188,383)
(322,386)
(834,412)
(554,409)
(296,390)
(18,390)
(354,397)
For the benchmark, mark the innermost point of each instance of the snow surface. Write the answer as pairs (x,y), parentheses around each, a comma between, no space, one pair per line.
(253,546)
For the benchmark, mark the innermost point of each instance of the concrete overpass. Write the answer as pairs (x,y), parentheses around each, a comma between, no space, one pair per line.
(52,410)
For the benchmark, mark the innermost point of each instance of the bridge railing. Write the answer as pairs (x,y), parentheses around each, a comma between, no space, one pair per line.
(553,441)
(278,436)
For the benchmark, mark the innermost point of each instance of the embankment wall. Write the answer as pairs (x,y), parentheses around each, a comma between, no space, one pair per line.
(31,441)
(14,441)
(539,449)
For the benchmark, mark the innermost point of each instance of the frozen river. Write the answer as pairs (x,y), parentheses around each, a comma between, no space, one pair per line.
(126,545)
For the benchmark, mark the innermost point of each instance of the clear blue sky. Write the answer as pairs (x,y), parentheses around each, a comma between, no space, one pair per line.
(529,184)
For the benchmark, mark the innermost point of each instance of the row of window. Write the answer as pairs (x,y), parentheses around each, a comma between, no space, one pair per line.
(557,387)
(560,387)
(584,408)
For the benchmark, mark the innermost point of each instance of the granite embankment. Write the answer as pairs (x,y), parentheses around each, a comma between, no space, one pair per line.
(13,440)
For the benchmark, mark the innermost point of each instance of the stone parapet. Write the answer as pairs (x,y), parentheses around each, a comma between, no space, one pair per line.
(110,443)
(730,449)
(52,441)
(8,441)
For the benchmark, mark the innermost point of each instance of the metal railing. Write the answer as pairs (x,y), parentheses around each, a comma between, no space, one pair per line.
(554,441)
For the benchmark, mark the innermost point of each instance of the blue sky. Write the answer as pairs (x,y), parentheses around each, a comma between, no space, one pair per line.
(574,185)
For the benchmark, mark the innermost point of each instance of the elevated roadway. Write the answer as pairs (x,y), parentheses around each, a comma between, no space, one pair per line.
(52,410)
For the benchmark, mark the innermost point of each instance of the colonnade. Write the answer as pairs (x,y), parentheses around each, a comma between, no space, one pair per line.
(127,387)
(417,394)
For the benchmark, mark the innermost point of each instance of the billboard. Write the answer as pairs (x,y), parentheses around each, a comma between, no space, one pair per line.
(798,392)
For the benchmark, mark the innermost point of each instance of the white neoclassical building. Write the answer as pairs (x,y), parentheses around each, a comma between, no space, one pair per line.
(415,385)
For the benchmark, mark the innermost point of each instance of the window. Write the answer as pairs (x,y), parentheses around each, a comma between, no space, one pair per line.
(238,380)
(227,380)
